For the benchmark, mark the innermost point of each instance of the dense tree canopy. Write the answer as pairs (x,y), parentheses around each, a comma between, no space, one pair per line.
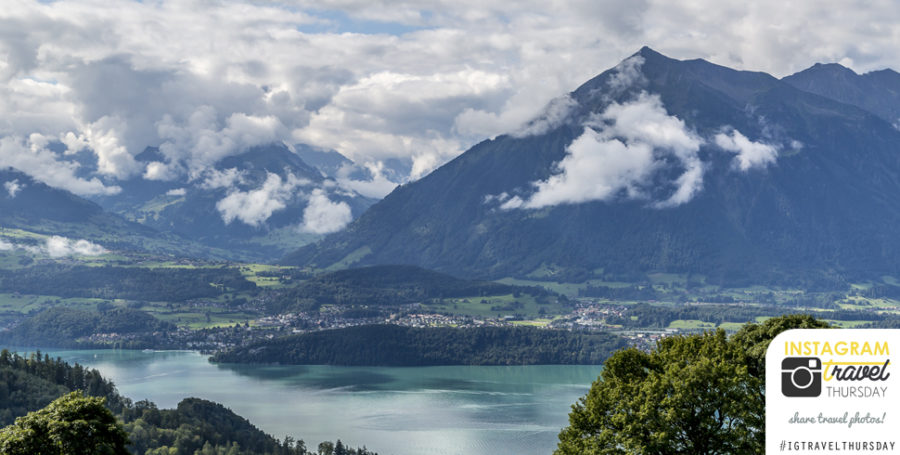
(195,426)
(61,326)
(386,285)
(696,394)
(71,425)
(134,283)
(393,345)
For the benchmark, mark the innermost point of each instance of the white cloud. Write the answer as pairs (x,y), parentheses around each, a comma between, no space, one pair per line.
(749,154)
(256,206)
(58,246)
(555,114)
(627,74)
(322,216)
(176,192)
(33,158)
(377,187)
(405,115)
(618,154)
(596,168)
(201,142)
(103,137)
(407,79)
(228,178)
(157,170)
(13,187)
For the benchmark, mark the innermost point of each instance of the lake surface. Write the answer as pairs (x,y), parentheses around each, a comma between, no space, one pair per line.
(394,411)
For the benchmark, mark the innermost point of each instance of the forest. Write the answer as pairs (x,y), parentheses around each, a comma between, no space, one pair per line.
(195,426)
(386,285)
(133,283)
(392,345)
(63,327)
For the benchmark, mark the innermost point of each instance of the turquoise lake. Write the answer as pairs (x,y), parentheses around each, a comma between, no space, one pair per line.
(468,410)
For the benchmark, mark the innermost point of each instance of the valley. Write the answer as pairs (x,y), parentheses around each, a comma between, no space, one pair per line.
(664,214)
(218,306)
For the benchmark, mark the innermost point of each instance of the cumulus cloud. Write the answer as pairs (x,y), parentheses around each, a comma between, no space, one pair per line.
(176,192)
(618,154)
(378,186)
(418,81)
(750,154)
(322,216)
(201,142)
(214,178)
(157,170)
(6,246)
(418,117)
(256,206)
(596,168)
(33,158)
(13,187)
(103,137)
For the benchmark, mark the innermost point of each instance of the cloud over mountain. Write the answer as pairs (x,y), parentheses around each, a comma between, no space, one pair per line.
(618,155)
(57,246)
(420,82)
(32,157)
(322,216)
(255,206)
(12,187)
(749,154)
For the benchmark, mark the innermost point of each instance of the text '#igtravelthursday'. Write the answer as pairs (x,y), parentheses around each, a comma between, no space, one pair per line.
(837,446)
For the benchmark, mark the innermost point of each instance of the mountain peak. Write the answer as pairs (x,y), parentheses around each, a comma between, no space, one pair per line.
(578,199)
(275,158)
(672,79)
(653,59)
(647,52)
(877,92)
(832,68)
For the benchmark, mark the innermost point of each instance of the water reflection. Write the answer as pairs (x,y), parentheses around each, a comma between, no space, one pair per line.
(428,410)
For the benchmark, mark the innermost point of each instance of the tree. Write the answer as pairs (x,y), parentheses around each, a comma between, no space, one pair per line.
(696,394)
(339,448)
(326,448)
(71,425)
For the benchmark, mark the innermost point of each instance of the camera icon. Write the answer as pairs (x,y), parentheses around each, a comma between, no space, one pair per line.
(801,377)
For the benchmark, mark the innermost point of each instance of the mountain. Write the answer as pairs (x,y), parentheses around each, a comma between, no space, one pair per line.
(359,176)
(877,92)
(656,165)
(252,204)
(31,201)
(32,212)
(328,162)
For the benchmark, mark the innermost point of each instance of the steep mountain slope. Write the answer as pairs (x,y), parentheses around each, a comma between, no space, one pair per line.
(877,92)
(656,165)
(36,211)
(328,162)
(252,204)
